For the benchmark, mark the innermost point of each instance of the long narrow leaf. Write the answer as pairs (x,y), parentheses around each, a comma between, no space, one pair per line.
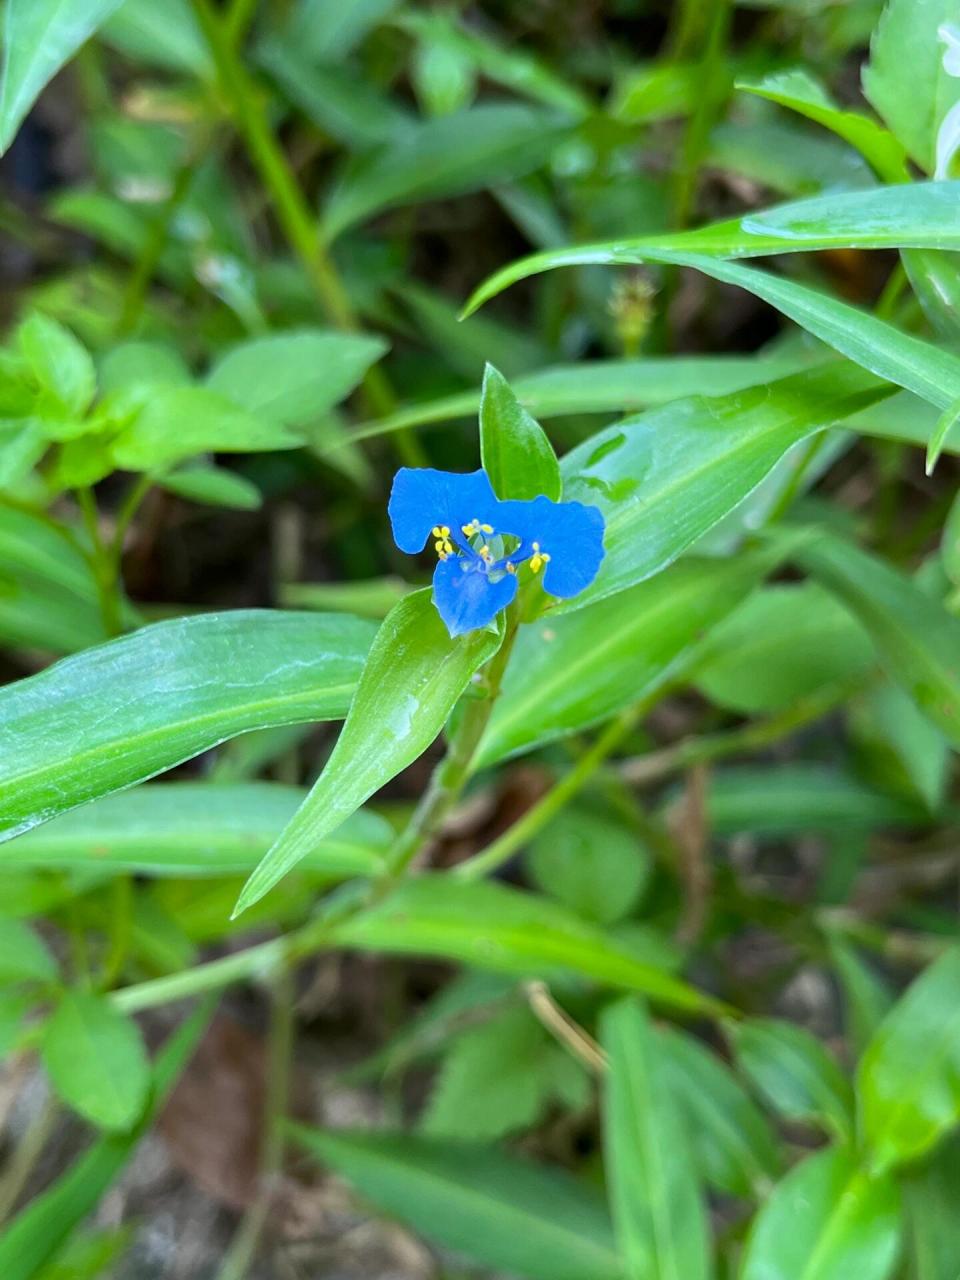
(124,711)
(495,1209)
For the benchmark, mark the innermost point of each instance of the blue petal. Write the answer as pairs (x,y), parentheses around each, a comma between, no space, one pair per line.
(571,533)
(422,498)
(465,597)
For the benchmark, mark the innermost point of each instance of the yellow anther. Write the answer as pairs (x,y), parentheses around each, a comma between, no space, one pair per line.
(486,555)
(510,568)
(443,546)
(538,558)
(476,527)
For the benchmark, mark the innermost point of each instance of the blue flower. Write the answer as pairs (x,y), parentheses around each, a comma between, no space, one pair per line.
(482,541)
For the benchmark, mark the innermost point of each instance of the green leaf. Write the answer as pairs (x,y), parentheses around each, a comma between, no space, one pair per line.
(39,36)
(513,67)
(166,37)
(799,91)
(949,544)
(142,364)
(341,101)
(908,1083)
(930,1200)
(916,215)
(124,711)
(826,1221)
(180,422)
(572,671)
(945,424)
(23,957)
(214,486)
(22,444)
(905,80)
(781,644)
(30,542)
(515,450)
(593,865)
(731,1141)
(793,1072)
(469,345)
(665,479)
(38,614)
(866,995)
(412,679)
(604,386)
(786,799)
(505,930)
(917,640)
(444,75)
(88,1255)
(448,156)
(902,748)
(96,1061)
(657,1207)
(60,363)
(292,379)
(888,352)
(655,91)
(786,156)
(369,597)
(935,278)
(326,33)
(194,829)
(500,1077)
(41,1228)
(499,1211)
(14,1006)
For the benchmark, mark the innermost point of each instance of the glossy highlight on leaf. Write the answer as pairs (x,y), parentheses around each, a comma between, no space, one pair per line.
(411,681)
(122,712)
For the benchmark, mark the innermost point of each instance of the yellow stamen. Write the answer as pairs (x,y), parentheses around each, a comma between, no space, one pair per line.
(538,558)
(476,527)
(486,555)
(443,546)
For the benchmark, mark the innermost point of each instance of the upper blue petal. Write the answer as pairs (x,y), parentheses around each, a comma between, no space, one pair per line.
(422,497)
(571,533)
(465,597)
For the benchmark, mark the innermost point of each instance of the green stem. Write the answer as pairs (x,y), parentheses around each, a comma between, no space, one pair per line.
(239,17)
(547,808)
(106,558)
(121,929)
(128,509)
(713,85)
(261,960)
(292,208)
(264,960)
(743,740)
(453,770)
(243,1247)
(28,1152)
(135,293)
(101,562)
